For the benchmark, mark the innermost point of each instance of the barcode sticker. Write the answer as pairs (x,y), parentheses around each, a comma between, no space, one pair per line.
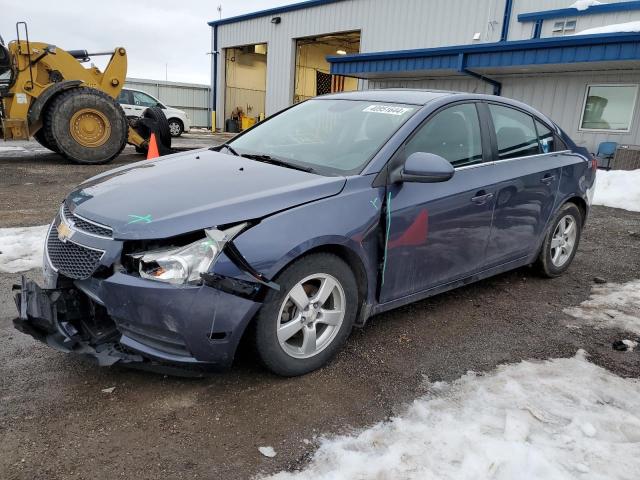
(387,109)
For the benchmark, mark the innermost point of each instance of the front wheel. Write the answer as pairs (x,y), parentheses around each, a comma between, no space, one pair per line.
(561,242)
(175,127)
(304,325)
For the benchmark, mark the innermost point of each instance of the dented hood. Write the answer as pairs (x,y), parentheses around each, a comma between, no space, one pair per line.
(191,191)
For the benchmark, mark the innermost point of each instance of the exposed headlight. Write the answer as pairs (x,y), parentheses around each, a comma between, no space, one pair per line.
(185,264)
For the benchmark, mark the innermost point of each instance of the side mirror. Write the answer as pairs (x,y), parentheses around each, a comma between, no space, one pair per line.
(423,167)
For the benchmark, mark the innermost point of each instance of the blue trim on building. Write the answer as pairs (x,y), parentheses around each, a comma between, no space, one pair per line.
(543,51)
(537,29)
(506,20)
(273,11)
(574,12)
(214,87)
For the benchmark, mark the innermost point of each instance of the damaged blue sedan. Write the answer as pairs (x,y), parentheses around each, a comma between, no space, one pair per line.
(304,226)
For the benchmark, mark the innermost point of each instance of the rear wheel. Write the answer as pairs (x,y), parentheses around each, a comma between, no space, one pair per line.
(86,125)
(302,326)
(561,242)
(41,138)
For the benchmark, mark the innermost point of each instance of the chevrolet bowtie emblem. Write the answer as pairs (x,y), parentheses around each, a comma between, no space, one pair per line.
(64,232)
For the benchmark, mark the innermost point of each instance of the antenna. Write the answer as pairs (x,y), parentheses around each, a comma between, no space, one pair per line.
(220,10)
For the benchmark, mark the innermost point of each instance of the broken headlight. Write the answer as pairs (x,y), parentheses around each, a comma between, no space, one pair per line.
(185,264)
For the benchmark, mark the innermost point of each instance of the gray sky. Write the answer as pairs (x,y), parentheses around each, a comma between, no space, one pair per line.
(154,33)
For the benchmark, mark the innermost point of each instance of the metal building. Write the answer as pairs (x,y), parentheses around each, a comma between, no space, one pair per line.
(193,98)
(531,50)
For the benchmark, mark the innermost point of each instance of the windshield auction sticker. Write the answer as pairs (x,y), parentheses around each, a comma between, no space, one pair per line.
(387,109)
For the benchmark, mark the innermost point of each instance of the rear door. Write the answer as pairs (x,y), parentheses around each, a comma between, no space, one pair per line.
(437,232)
(126,102)
(527,175)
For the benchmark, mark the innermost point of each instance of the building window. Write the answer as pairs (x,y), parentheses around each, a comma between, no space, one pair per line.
(564,27)
(609,108)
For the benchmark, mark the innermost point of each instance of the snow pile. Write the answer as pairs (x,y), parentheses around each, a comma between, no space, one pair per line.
(21,248)
(584,4)
(618,189)
(616,28)
(555,419)
(611,305)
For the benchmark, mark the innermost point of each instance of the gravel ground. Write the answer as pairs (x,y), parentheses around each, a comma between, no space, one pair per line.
(55,421)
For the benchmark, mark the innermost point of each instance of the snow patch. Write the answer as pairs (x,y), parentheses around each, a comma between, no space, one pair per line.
(631,345)
(584,4)
(618,189)
(267,451)
(12,149)
(553,419)
(21,249)
(611,305)
(615,28)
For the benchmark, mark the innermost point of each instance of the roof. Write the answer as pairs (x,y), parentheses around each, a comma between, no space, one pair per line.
(577,49)
(391,95)
(273,11)
(574,12)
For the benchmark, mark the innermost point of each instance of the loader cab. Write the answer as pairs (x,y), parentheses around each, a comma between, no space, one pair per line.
(6,70)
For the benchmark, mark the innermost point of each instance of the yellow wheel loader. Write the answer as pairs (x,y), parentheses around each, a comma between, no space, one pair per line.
(47,93)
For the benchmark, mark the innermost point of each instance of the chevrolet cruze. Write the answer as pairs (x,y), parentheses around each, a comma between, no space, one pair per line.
(299,229)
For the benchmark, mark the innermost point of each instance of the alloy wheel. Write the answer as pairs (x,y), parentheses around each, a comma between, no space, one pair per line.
(311,315)
(563,241)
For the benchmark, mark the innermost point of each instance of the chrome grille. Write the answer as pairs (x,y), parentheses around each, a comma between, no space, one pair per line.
(71,259)
(81,224)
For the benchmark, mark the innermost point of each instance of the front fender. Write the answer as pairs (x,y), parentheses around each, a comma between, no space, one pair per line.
(350,220)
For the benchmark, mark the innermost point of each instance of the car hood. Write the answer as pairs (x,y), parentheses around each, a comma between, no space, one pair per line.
(190,191)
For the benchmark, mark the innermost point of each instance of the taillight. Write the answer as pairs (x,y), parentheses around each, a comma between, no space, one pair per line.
(594,164)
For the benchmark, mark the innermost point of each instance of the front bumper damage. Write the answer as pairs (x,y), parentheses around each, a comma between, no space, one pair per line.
(51,316)
(136,323)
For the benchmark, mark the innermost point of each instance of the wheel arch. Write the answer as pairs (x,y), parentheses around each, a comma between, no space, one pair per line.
(38,107)
(579,202)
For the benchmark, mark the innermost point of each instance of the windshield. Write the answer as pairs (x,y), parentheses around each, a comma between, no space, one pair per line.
(330,136)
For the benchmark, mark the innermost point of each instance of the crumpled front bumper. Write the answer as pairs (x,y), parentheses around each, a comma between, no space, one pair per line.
(128,320)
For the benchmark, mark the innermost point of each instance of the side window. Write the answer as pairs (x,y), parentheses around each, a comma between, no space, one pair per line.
(545,138)
(454,134)
(143,100)
(124,98)
(549,141)
(515,132)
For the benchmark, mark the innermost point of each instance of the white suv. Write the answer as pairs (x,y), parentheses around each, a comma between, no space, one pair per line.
(134,103)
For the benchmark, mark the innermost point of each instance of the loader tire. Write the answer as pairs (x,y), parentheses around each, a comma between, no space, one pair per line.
(41,137)
(86,125)
(163,133)
(155,113)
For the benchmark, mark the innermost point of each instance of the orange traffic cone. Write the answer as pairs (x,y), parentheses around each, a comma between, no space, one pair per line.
(153,148)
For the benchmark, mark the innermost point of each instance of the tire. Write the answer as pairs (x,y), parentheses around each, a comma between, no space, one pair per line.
(285,354)
(176,128)
(108,123)
(41,138)
(554,257)
(155,113)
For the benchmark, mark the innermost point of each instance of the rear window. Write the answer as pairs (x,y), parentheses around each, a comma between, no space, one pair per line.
(515,132)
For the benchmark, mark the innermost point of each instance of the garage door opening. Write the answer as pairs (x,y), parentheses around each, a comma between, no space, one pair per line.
(312,75)
(246,86)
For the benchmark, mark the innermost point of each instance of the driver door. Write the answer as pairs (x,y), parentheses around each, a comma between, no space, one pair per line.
(437,233)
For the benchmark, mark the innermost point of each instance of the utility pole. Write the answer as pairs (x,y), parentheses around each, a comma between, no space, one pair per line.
(220,10)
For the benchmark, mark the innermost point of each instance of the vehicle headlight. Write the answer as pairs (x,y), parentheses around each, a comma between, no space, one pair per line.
(185,264)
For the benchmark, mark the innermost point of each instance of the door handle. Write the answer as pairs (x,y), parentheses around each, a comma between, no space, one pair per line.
(482,197)
(548,179)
